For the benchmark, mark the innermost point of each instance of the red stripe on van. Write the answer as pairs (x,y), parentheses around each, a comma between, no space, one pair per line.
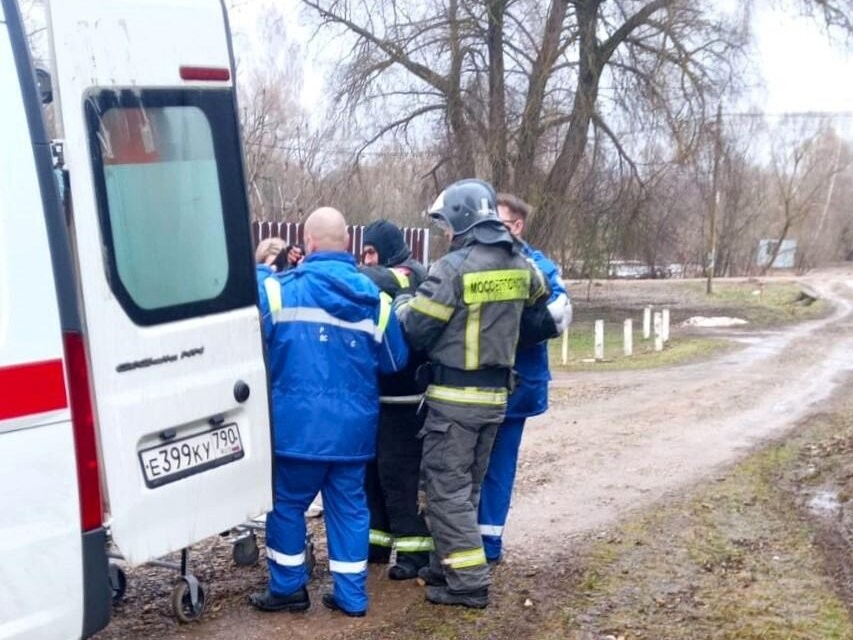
(34,387)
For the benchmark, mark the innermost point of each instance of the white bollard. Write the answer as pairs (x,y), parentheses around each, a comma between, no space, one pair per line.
(599,339)
(665,328)
(658,331)
(565,347)
(628,337)
(647,323)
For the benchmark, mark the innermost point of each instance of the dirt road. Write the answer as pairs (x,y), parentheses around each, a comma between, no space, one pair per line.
(611,443)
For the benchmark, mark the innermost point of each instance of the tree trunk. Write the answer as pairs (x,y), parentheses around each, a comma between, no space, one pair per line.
(530,129)
(497,133)
(574,144)
(463,154)
(778,246)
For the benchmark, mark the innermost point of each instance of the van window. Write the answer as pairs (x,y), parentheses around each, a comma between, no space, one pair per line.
(172,208)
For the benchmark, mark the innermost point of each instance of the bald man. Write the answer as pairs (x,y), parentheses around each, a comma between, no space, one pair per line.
(329,333)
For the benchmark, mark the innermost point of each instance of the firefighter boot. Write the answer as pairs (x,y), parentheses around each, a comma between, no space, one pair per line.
(431,578)
(477,599)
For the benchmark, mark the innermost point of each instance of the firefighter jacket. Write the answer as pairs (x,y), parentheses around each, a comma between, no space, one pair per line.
(530,397)
(466,315)
(329,334)
(401,279)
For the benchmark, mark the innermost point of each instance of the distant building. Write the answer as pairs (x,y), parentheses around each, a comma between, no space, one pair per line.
(785,257)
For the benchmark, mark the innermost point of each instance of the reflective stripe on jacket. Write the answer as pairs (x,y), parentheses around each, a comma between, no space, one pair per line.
(466,313)
(329,334)
(402,278)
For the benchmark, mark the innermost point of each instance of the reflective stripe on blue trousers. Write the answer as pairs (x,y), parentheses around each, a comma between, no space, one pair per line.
(297,482)
(496,492)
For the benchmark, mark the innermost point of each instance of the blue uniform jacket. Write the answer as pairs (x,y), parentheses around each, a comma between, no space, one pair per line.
(530,397)
(326,348)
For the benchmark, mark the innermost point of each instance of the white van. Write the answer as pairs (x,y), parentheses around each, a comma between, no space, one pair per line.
(133,391)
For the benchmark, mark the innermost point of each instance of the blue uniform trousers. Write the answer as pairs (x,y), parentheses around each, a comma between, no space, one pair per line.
(297,482)
(496,491)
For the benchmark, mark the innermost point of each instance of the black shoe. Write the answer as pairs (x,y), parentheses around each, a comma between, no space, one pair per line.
(408,565)
(378,555)
(267,601)
(403,571)
(431,578)
(478,599)
(330,603)
(493,562)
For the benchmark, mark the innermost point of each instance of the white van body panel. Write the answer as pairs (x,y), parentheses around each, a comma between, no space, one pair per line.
(40,545)
(188,367)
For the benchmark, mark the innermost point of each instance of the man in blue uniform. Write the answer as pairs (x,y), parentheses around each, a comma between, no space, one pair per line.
(329,334)
(530,397)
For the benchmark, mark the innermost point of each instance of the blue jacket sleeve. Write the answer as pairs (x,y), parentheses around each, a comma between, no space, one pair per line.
(559,304)
(393,351)
(549,269)
(262,274)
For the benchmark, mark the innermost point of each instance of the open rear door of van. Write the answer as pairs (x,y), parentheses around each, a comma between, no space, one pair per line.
(161,228)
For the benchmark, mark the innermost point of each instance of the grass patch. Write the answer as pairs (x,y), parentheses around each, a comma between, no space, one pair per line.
(780,303)
(774,304)
(679,350)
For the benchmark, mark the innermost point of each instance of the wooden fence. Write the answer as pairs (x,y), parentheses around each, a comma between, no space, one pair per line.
(293,233)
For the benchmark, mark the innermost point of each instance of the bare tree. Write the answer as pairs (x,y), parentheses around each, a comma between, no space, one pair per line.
(516,86)
(802,174)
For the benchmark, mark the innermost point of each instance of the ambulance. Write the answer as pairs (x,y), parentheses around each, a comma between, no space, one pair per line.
(133,388)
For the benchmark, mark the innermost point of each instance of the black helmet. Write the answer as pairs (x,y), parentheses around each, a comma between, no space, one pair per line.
(465,204)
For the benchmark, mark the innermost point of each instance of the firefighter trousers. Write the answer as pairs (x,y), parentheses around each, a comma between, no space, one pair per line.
(457,440)
(392,483)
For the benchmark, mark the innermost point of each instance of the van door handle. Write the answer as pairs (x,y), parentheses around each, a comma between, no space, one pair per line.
(241,391)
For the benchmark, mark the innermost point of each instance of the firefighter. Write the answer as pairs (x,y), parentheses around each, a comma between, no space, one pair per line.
(392,480)
(530,396)
(466,317)
(329,333)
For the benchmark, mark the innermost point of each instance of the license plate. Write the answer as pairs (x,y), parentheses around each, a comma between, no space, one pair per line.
(184,457)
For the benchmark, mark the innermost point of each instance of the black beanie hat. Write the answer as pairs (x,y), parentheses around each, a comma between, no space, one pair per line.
(387,239)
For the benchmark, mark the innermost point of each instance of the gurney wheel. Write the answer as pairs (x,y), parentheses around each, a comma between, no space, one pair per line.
(246,552)
(182,605)
(118,582)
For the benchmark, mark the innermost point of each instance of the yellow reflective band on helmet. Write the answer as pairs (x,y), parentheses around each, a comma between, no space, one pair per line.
(466,395)
(465,559)
(501,285)
(414,544)
(380,538)
(273,289)
(431,308)
(472,336)
(401,278)
(385,307)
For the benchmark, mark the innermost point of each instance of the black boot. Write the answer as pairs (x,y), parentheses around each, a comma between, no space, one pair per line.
(330,603)
(408,565)
(477,599)
(268,601)
(431,578)
(378,555)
